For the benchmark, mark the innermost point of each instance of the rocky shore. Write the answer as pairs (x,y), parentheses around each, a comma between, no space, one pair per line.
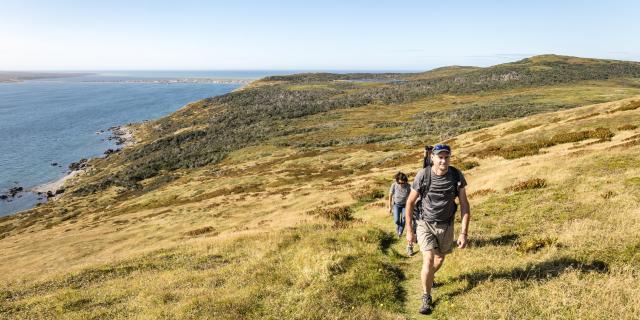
(121,135)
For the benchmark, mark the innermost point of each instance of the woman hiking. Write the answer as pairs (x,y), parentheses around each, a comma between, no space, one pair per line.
(398,194)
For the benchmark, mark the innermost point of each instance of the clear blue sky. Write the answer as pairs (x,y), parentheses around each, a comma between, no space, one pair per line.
(314,35)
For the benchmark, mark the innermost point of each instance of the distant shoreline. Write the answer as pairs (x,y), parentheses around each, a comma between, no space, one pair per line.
(19,76)
(172,81)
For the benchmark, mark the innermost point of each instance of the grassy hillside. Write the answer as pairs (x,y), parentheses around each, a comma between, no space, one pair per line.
(265,203)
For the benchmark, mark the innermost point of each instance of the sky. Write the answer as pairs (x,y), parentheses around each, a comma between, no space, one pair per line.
(308,35)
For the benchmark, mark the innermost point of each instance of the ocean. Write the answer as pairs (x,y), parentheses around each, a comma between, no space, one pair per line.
(47,124)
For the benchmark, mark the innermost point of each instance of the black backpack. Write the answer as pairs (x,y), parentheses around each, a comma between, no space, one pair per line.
(425,184)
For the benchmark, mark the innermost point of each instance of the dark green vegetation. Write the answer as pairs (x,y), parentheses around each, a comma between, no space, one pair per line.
(206,132)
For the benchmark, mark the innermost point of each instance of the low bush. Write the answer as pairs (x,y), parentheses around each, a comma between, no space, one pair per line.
(535,183)
(481,192)
(466,165)
(200,231)
(627,127)
(367,194)
(534,244)
(335,214)
(608,195)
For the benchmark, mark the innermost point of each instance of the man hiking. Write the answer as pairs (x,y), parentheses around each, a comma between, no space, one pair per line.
(438,185)
(398,194)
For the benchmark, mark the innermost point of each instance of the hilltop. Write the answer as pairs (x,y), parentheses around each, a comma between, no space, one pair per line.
(265,202)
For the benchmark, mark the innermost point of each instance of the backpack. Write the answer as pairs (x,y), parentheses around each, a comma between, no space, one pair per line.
(425,185)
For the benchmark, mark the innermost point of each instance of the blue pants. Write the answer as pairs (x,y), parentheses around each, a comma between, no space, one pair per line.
(399,212)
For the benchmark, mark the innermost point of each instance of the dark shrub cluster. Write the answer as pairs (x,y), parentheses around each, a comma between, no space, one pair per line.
(627,127)
(535,183)
(466,165)
(214,127)
(200,231)
(367,194)
(341,217)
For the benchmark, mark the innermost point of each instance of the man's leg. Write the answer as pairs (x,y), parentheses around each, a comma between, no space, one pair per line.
(428,270)
(438,260)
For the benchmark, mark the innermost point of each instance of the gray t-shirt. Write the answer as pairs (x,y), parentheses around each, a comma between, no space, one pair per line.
(400,193)
(439,204)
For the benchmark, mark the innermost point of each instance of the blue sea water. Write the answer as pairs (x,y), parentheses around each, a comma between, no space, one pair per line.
(56,120)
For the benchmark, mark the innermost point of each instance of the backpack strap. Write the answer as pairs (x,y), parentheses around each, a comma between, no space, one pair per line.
(425,183)
(457,178)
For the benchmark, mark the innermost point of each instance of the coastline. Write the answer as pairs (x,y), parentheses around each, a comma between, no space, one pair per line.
(123,136)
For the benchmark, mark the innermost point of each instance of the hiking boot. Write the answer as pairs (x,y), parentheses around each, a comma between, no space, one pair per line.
(427,304)
(409,250)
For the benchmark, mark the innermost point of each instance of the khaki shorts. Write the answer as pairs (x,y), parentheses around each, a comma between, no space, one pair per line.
(441,242)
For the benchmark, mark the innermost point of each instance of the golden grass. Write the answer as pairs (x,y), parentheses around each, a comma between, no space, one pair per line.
(190,250)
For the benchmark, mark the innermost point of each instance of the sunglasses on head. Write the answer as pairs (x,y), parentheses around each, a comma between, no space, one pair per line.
(439,147)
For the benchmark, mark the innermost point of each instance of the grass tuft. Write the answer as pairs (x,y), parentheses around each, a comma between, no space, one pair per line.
(535,183)
(481,192)
(367,194)
(627,127)
(336,214)
(200,231)
(534,244)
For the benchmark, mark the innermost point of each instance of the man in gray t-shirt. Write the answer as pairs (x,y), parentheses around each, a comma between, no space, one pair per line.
(438,185)
(439,205)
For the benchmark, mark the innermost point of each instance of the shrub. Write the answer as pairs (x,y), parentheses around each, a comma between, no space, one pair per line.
(627,127)
(535,183)
(481,192)
(199,231)
(534,244)
(608,195)
(467,165)
(367,194)
(335,214)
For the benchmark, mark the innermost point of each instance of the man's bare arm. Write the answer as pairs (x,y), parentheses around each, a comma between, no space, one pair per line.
(413,196)
(465,211)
